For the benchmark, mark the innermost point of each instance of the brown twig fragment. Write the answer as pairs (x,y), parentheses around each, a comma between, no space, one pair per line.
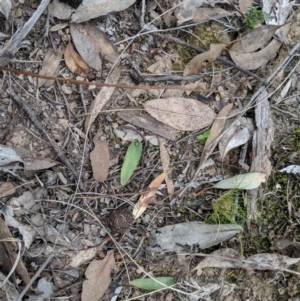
(32,115)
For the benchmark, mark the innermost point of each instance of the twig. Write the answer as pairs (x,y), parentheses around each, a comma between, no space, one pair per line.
(36,275)
(15,43)
(40,127)
(201,50)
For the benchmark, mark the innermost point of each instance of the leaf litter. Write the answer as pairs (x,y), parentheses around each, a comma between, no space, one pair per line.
(60,224)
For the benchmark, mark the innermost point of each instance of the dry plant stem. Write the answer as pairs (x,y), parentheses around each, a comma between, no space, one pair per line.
(102,84)
(36,122)
(201,50)
(36,275)
(8,51)
(139,76)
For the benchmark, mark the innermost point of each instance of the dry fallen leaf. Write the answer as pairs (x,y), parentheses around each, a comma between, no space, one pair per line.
(149,123)
(165,162)
(255,39)
(203,14)
(6,189)
(50,65)
(5,8)
(100,158)
(203,59)
(244,5)
(215,131)
(183,114)
(102,97)
(30,160)
(93,45)
(74,61)
(148,197)
(98,277)
(254,60)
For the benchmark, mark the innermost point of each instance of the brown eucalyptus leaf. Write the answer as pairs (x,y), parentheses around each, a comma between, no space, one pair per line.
(244,5)
(100,158)
(215,131)
(93,45)
(203,14)
(74,61)
(183,114)
(102,97)
(254,60)
(50,65)
(98,277)
(196,64)
(255,39)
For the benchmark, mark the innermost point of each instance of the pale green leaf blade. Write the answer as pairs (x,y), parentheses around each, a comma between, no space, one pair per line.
(132,158)
(150,284)
(247,181)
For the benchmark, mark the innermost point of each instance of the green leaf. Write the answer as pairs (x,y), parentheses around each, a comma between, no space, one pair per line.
(150,284)
(246,181)
(132,158)
(203,137)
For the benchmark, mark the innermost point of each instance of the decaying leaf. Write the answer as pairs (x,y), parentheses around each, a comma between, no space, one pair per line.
(215,132)
(30,160)
(148,197)
(203,59)
(165,162)
(254,60)
(277,12)
(6,189)
(149,123)
(100,158)
(131,161)
(229,258)
(172,237)
(244,5)
(90,9)
(152,284)
(50,65)
(98,277)
(102,97)
(255,39)
(294,169)
(246,181)
(5,8)
(74,61)
(236,134)
(93,45)
(183,114)
(203,14)
(186,11)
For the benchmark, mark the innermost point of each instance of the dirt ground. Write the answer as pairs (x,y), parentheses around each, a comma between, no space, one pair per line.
(83,211)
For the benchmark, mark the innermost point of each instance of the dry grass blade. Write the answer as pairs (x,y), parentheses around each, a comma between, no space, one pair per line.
(102,97)
(215,132)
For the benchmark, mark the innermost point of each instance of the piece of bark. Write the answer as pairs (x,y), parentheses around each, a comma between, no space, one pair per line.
(149,123)
(261,147)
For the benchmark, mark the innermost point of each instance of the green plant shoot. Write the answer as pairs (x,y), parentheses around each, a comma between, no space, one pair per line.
(253,16)
(203,137)
(131,161)
(150,284)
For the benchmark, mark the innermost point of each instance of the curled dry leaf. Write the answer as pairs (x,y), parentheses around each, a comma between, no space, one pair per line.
(255,39)
(254,60)
(93,45)
(148,197)
(203,59)
(98,277)
(165,161)
(215,132)
(183,114)
(100,158)
(102,97)
(74,61)
(50,65)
